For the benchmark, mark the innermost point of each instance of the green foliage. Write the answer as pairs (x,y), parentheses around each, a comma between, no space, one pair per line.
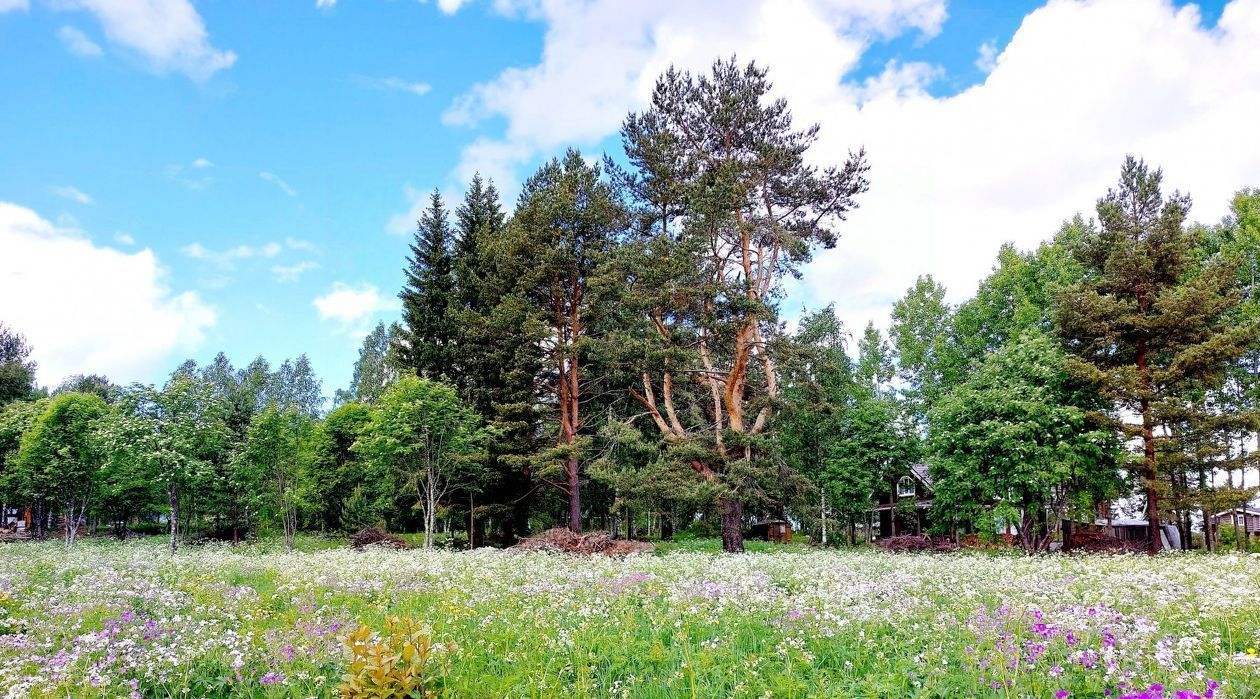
(60,455)
(376,367)
(1151,322)
(17,371)
(920,331)
(167,437)
(269,464)
(1019,437)
(428,439)
(426,340)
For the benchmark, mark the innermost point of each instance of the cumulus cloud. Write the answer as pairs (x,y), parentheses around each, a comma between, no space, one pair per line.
(124,239)
(104,311)
(78,43)
(952,177)
(202,163)
(291,273)
(352,307)
(392,83)
(11,5)
(226,259)
(601,59)
(275,179)
(168,35)
(73,194)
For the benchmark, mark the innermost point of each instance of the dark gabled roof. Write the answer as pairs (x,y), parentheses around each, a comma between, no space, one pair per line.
(923,473)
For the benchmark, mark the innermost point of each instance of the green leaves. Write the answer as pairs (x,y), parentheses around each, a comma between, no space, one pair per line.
(1019,432)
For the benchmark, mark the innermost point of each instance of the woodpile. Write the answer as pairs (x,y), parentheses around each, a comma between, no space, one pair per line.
(913,543)
(1092,540)
(375,536)
(561,540)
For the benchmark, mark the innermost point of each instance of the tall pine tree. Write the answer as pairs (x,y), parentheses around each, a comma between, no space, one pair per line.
(728,204)
(1145,325)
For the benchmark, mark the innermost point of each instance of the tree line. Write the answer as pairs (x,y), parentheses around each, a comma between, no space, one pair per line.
(613,352)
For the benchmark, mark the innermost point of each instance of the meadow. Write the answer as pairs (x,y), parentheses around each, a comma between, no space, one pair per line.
(113,619)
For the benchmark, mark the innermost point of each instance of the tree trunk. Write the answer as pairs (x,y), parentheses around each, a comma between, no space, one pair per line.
(732,525)
(472,518)
(1148,448)
(575,496)
(172,503)
(822,513)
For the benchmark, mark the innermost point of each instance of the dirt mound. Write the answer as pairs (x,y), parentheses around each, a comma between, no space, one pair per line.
(1097,541)
(561,540)
(375,536)
(916,543)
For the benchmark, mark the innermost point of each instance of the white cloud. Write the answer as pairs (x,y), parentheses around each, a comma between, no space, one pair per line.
(73,194)
(192,180)
(392,83)
(275,179)
(226,259)
(11,5)
(78,43)
(601,59)
(405,222)
(291,273)
(104,311)
(297,244)
(986,61)
(952,177)
(124,239)
(168,35)
(448,7)
(352,307)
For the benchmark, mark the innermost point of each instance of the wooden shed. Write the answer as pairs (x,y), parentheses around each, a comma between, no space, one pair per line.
(776,530)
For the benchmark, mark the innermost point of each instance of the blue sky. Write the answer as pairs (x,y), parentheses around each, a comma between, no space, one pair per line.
(269,155)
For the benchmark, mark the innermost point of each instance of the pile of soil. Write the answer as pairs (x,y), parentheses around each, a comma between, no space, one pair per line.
(1096,541)
(561,540)
(913,543)
(375,536)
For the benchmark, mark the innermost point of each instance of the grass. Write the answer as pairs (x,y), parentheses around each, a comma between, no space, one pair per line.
(109,619)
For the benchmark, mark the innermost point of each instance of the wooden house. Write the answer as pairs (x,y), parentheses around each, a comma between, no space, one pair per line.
(1247,519)
(913,490)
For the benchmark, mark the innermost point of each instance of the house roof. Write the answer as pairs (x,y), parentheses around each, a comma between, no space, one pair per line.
(923,473)
(1239,510)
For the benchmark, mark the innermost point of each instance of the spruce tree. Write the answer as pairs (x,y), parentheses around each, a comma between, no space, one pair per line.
(427,338)
(1146,325)
(479,220)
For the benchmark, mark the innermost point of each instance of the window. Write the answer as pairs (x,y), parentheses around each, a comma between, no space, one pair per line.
(905,487)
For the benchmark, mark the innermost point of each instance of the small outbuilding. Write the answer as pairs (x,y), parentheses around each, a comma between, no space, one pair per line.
(776,530)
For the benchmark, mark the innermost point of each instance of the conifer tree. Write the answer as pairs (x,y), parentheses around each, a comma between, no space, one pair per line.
(1144,324)
(427,338)
(566,227)
(727,204)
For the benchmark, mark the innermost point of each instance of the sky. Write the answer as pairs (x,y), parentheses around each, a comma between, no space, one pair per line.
(179,178)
